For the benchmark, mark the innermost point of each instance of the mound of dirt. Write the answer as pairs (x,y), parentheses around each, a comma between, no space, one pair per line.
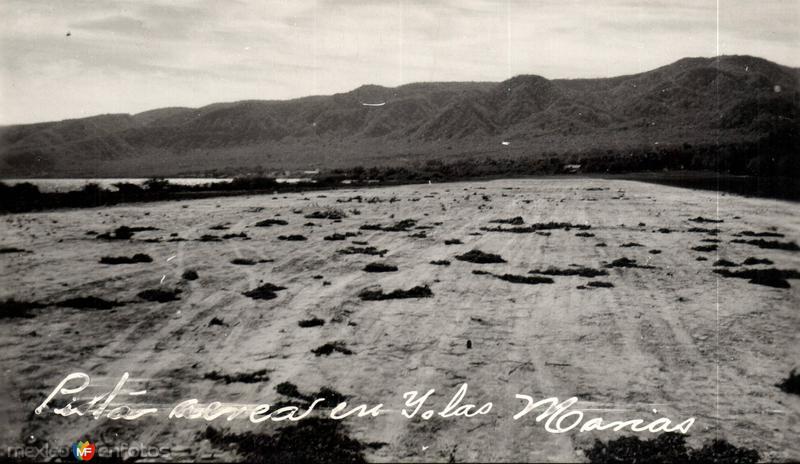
(480,257)
(88,302)
(770,244)
(420,291)
(137,258)
(701,219)
(328,348)
(292,238)
(380,267)
(570,271)
(314,439)
(17,309)
(769,277)
(271,222)
(515,221)
(264,292)
(333,214)
(401,226)
(372,251)
(626,262)
(791,384)
(189,274)
(313,322)
(667,448)
(753,261)
(518,279)
(537,227)
(244,377)
(159,296)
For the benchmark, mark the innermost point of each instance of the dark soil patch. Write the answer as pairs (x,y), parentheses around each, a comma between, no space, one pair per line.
(537,227)
(319,440)
(219,227)
(630,245)
(626,262)
(770,244)
(360,242)
(10,309)
(664,230)
(189,274)
(313,322)
(750,233)
(667,448)
(791,384)
(480,257)
(705,248)
(243,262)
(372,251)
(599,284)
(701,219)
(209,238)
(752,261)
(420,291)
(264,292)
(244,377)
(401,226)
(271,222)
(570,271)
(701,258)
(769,277)
(334,237)
(88,302)
(120,233)
(584,234)
(515,221)
(137,258)
(327,214)
(5,250)
(655,252)
(453,241)
(724,263)
(703,230)
(292,238)
(239,235)
(380,267)
(601,245)
(518,279)
(711,240)
(440,262)
(329,348)
(159,296)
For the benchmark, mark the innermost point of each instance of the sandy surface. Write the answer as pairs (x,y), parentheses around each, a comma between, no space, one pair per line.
(676,338)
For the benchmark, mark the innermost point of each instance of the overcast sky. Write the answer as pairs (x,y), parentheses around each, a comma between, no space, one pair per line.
(71,58)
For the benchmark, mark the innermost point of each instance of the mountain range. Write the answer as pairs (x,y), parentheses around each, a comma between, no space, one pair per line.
(692,102)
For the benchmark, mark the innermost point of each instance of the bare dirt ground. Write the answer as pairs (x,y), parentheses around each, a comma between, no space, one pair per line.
(671,336)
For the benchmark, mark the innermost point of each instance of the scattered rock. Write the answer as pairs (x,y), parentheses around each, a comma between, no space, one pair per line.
(264,292)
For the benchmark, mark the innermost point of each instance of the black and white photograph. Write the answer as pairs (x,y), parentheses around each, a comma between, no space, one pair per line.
(350,231)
